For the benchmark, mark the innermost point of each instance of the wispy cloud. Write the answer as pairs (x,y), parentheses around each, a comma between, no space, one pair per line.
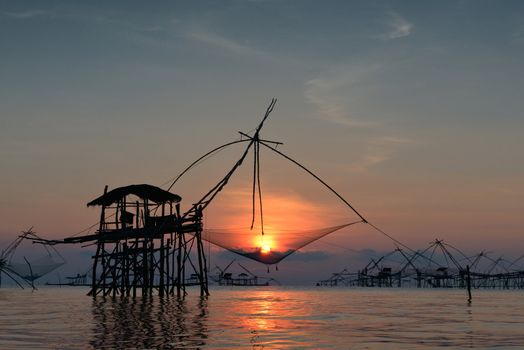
(329,93)
(398,27)
(376,151)
(518,35)
(86,17)
(28,14)
(334,92)
(228,45)
(310,256)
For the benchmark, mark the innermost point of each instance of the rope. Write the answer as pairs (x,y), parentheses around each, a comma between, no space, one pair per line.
(259,188)
(391,237)
(316,177)
(199,160)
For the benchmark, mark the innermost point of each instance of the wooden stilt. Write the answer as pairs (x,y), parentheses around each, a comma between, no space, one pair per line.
(468,282)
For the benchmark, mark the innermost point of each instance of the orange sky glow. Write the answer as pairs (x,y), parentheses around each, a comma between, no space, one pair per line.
(289,219)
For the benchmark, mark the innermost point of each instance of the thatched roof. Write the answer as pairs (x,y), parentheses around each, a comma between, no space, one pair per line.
(143,191)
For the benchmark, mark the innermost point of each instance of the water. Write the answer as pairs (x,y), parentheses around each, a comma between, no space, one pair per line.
(264,318)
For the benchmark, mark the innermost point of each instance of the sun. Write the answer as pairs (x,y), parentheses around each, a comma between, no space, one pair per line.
(265,249)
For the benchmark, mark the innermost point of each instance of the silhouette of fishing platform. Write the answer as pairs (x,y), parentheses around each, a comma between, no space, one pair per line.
(145,244)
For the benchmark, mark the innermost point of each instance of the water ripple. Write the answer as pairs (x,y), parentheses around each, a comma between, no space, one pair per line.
(266,318)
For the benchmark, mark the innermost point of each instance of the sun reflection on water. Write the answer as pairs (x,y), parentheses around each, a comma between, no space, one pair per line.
(266,317)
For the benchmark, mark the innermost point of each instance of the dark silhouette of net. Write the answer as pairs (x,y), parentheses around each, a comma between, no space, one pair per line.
(271,247)
(35,268)
(15,264)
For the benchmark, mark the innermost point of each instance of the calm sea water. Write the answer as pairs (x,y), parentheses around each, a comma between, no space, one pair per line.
(264,318)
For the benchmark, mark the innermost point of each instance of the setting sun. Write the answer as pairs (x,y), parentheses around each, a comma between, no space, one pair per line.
(265,249)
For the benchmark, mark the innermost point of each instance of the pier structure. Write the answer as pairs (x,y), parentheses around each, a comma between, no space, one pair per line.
(144,245)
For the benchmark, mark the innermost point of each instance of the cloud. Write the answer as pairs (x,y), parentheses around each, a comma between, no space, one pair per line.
(227,255)
(334,92)
(309,256)
(152,29)
(221,42)
(325,93)
(27,14)
(518,35)
(398,26)
(378,150)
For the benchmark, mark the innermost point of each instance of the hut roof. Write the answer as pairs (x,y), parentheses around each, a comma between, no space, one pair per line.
(143,191)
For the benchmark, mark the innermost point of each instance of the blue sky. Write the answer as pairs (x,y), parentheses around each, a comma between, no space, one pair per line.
(412,110)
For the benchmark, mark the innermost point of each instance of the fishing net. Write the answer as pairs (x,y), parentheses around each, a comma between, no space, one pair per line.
(284,199)
(25,262)
(269,248)
(35,268)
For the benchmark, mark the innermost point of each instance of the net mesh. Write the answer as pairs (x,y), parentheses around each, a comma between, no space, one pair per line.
(271,247)
(36,268)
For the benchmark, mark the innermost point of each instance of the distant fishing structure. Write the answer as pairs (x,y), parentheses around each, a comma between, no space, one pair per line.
(245,279)
(28,270)
(78,280)
(440,265)
(144,243)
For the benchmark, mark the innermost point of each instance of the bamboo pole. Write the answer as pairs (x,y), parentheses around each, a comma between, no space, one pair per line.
(93,290)
(179,254)
(201,257)
(162,256)
(468,282)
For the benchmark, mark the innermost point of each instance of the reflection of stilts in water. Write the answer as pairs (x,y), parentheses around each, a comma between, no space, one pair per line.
(148,323)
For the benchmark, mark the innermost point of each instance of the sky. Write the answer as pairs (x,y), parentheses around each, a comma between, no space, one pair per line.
(411,110)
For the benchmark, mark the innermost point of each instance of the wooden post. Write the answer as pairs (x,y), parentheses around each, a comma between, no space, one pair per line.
(179,254)
(125,271)
(114,257)
(183,253)
(201,255)
(162,254)
(135,267)
(137,219)
(151,266)
(145,275)
(468,282)
(173,258)
(93,291)
(168,271)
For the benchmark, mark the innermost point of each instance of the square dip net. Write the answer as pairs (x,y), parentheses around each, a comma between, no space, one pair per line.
(268,248)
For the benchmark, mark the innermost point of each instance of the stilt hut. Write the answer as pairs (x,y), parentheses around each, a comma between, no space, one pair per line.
(144,245)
